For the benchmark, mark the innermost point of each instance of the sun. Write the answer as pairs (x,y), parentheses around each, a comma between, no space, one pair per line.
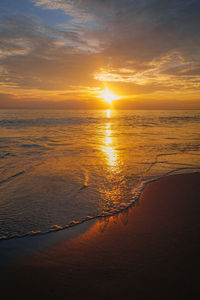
(108,96)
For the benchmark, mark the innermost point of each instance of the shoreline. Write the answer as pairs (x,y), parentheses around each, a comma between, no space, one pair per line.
(103,256)
(56,228)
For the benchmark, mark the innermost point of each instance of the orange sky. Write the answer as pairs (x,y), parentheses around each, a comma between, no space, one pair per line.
(63,54)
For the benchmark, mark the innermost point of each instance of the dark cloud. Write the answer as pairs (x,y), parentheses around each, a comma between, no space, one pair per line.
(141,30)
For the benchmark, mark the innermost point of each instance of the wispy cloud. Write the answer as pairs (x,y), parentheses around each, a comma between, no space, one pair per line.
(136,46)
(72,8)
(171,70)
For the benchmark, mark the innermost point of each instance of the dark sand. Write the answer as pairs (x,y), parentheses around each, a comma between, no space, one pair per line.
(150,251)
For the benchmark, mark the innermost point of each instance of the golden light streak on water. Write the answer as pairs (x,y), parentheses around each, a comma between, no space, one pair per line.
(107,148)
(108,112)
(111,156)
(108,140)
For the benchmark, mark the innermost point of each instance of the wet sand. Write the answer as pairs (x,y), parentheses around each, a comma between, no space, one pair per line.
(150,251)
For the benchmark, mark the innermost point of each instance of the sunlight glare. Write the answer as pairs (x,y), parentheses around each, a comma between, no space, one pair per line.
(108,96)
(108,113)
(111,155)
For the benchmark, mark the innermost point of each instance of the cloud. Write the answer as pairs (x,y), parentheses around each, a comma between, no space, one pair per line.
(36,57)
(72,8)
(140,47)
(137,29)
(16,36)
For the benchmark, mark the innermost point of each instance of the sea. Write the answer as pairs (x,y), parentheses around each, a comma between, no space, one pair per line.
(60,168)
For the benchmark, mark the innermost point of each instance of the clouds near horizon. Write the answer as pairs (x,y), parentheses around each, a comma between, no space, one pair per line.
(140,49)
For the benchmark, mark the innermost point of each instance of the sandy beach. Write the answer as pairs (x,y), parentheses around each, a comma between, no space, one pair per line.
(150,251)
(99,149)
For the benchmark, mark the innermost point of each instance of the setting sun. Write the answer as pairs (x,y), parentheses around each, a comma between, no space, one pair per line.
(108,96)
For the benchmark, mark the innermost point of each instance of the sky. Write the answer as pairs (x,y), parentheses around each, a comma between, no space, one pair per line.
(65,53)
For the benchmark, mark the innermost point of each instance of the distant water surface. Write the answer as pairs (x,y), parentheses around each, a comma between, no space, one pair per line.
(57,167)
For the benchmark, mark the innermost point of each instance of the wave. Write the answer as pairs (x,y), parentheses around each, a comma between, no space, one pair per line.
(12,176)
(122,208)
(180,119)
(47,121)
(134,119)
(146,145)
(31,146)
(7,154)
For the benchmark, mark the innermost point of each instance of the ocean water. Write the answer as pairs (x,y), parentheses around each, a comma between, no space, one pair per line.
(59,168)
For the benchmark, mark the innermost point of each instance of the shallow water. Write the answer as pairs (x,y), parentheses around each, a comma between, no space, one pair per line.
(57,167)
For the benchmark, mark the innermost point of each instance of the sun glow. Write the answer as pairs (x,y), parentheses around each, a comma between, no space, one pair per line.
(108,96)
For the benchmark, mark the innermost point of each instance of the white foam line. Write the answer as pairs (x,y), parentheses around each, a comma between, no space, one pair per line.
(139,191)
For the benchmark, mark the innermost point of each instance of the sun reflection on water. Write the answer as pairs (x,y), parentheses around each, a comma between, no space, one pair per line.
(107,147)
(108,113)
